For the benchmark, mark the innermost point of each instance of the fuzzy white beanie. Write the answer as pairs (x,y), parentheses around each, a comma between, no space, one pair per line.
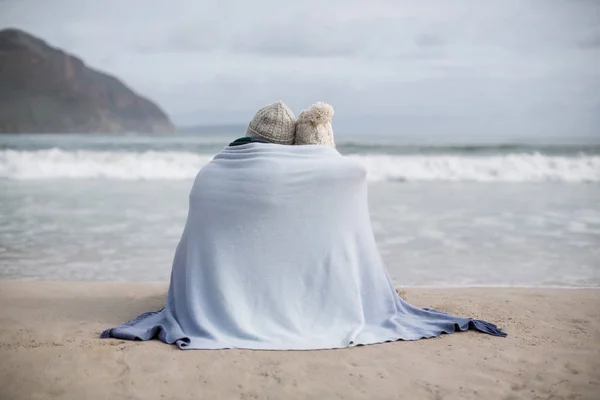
(314,125)
(274,123)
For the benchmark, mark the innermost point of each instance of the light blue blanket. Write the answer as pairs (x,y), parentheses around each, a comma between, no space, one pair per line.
(278,253)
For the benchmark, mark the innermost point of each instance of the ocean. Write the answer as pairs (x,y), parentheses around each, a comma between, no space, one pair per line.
(445,212)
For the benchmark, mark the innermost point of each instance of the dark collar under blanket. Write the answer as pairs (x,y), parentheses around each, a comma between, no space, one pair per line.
(246,140)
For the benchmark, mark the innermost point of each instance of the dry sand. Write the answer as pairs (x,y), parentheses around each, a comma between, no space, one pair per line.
(49,349)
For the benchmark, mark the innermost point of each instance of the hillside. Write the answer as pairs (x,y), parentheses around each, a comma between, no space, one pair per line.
(45,90)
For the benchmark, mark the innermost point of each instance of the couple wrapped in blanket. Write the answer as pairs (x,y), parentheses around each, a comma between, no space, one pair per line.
(278,251)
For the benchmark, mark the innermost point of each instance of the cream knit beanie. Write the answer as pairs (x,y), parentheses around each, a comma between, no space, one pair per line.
(314,125)
(274,123)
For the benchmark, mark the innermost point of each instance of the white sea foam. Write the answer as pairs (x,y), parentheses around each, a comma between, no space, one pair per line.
(493,168)
(60,164)
(172,165)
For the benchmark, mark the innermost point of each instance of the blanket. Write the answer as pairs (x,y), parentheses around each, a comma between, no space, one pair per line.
(278,253)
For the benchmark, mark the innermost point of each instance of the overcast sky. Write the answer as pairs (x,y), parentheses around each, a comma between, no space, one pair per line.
(469,67)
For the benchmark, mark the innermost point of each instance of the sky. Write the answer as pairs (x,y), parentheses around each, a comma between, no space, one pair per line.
(437,67)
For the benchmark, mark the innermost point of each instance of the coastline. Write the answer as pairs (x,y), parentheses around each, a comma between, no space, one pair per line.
(50,349)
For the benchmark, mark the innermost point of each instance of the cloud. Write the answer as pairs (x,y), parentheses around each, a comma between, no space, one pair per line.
(429,40)
(591,39)
(210,62)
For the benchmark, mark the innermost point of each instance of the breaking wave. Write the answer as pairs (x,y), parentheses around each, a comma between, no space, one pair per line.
(180,165)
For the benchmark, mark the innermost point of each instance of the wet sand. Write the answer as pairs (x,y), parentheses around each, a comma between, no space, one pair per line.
(49,349)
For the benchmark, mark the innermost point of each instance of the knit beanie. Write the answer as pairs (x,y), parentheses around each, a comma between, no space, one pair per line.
(273,123)
(314,125)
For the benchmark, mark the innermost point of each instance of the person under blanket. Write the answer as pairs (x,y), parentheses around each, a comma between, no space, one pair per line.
(278,252)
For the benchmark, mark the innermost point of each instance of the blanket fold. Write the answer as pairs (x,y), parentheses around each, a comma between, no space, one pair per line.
(278,253)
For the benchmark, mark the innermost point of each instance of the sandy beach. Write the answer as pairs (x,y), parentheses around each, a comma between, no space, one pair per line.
(49,349)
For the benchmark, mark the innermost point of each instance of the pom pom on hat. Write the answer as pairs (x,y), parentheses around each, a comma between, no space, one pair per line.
(318,114)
